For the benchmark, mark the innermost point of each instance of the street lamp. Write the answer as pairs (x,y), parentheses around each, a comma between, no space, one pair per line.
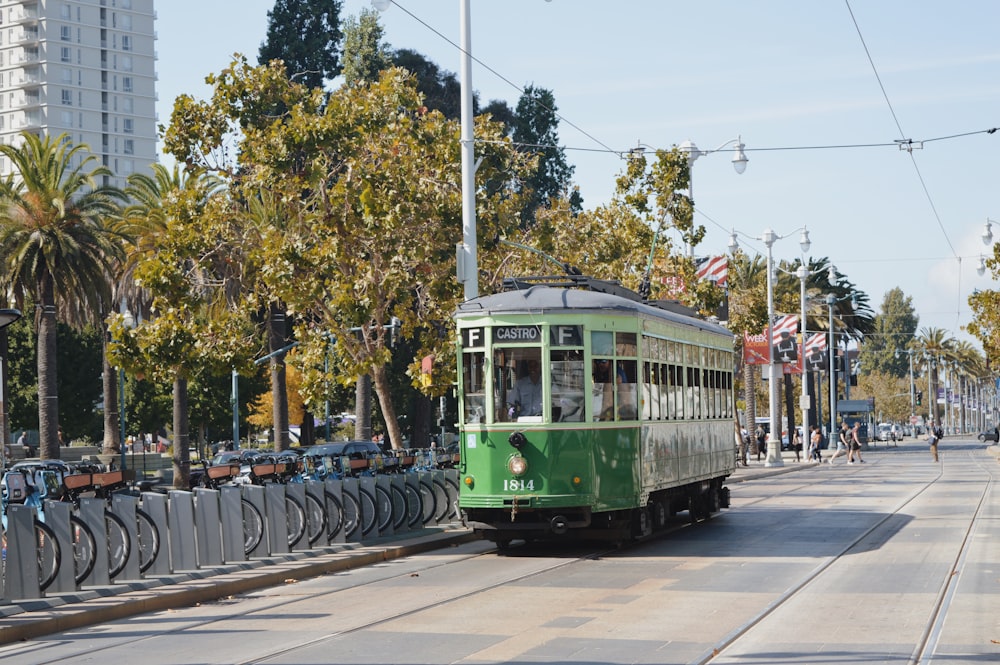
(739,160)
(773,437)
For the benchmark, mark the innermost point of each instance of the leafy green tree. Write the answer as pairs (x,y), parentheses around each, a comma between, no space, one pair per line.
(59,246)
(365,56)
(305,35)
(440,88)
(536,131)
(195,323)
(370,181)
(895,326)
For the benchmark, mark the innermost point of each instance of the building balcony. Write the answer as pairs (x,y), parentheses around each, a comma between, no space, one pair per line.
(25,36)
(27,15)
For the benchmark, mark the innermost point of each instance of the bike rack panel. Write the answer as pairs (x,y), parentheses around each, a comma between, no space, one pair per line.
(231,510)
(297,491)
(255,495)
(155,505)
(314,488)
(276,518)
(57,517)
(350,487)
(384,483)
(368,485)
(398,481)
(21,574)
(123,505)
(208,527)
(180,516)
(453,484)
(92,514)
(335,487)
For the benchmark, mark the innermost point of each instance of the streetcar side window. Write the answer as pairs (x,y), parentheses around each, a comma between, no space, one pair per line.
(568,404)
(474,386)
(519,385)
(628,406)
(603,395)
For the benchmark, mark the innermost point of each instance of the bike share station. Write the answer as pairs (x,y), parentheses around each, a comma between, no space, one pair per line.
(206,530)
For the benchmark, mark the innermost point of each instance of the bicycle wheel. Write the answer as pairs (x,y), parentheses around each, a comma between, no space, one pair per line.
(427,501)
(383,508)
(452,488)
(295,518)
(315,519)
(369,511)
(149,539)
(47,548)
(399,514)
(352,515)
(414,507)
(119,543)
(335,516)
(253,526)
(84,549)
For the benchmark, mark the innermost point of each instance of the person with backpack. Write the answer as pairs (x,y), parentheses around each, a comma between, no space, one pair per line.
(815,443)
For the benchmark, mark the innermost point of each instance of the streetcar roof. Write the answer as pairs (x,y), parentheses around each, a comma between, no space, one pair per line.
(541,299)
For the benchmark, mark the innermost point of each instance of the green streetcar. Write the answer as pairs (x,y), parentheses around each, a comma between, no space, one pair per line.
(586,412)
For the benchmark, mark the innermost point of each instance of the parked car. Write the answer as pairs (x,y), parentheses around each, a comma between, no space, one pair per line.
(988,435)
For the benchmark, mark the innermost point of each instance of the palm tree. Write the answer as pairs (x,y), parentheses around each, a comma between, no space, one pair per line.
(59,245)
(936,345)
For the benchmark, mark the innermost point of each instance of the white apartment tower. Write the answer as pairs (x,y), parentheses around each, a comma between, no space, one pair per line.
(86,68)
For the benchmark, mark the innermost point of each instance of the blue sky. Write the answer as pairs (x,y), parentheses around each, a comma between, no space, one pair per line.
(792,78)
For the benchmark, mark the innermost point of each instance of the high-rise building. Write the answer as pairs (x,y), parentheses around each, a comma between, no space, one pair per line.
(86,68)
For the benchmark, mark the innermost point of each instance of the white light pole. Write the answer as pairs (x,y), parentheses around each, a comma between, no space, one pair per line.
(774,369)
(467,262)
(739,160)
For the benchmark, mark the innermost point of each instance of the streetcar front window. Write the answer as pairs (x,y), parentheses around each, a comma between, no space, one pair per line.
(518,392)
(474,386)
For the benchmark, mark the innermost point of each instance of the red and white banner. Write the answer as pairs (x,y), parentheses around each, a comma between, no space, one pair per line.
(816,344)
(714,268)
(785,324)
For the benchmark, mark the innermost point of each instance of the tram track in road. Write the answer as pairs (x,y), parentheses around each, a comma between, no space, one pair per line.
(924,649)
(236,607)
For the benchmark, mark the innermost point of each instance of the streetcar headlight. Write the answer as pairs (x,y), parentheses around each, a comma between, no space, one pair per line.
(517,465)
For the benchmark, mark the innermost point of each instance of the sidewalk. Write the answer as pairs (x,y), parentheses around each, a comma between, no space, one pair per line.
(36,618)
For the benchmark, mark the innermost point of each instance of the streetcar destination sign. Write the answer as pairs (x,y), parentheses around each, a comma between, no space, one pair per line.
(517,334)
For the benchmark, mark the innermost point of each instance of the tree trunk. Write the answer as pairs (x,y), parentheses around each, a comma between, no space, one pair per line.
(363,408)
(278,339)
(182,443)
(48,396)
(109,383)
(381,381)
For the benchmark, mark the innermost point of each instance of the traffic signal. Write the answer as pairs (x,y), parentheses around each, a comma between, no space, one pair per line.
(920,397)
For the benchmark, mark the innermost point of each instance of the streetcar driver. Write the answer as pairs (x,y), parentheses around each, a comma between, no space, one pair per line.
(526,397)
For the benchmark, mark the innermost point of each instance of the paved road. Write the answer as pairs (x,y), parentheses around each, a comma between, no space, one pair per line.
(812,564)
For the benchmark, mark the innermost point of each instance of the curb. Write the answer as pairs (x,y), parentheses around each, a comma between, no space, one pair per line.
(40,618)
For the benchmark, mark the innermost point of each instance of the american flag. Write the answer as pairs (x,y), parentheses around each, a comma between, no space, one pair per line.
(786,324)
(714,268)
(816,344)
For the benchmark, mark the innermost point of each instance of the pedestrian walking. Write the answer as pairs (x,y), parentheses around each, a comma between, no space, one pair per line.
(797,445)
(842,442)
(815,441)
(855,451)
(760,441)
(932,439)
